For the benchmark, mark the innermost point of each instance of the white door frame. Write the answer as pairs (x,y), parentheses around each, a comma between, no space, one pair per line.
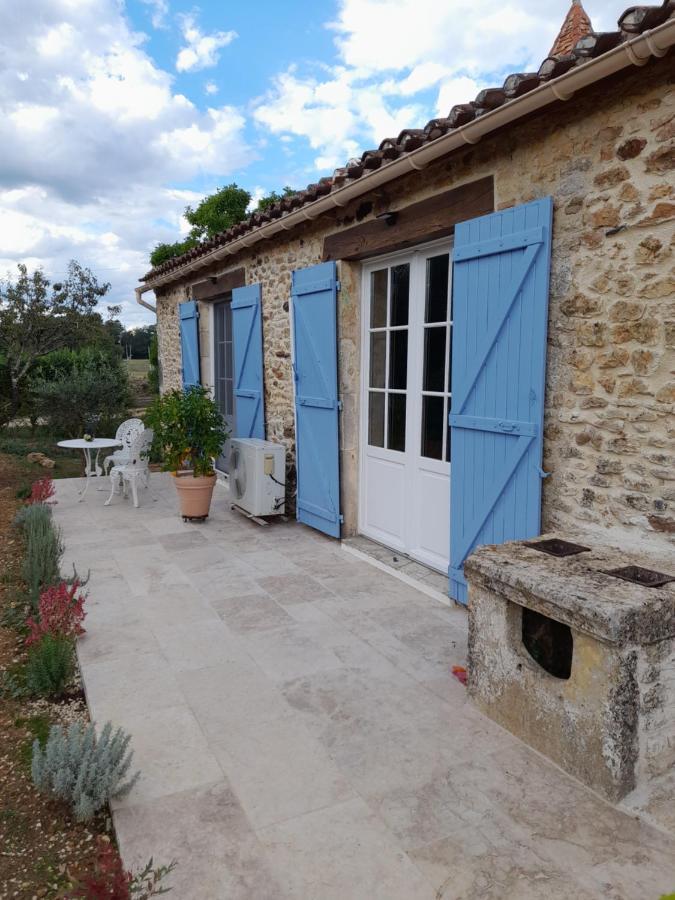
(414,462)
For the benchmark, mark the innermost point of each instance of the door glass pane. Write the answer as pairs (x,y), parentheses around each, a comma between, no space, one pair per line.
(438,268)
(396,425)
(398,359)
(378,349)
(450,359)
(400,285)
(432,427)
(434,358)
(376,419)
(378,298)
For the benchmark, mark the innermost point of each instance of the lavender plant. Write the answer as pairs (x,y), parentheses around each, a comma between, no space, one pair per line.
(84,770)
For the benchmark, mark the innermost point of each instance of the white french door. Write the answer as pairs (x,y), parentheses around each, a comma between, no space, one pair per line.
(406,391)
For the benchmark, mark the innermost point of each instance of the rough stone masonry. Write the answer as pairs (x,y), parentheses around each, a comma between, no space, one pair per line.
(611,723)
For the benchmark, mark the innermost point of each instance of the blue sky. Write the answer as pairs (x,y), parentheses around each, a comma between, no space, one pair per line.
(114,115)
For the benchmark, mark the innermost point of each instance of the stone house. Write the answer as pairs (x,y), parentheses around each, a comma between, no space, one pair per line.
(447,276)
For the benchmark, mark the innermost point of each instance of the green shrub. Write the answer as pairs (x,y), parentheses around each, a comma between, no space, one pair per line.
(50,666)
(189,430)
(153,357)
(80,391)
(44,549)
(84,770)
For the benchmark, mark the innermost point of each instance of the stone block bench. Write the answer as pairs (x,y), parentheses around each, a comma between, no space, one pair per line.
(578,663)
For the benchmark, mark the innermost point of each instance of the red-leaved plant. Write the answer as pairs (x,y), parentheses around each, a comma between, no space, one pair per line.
(60,613)
(109,880)
(41,490)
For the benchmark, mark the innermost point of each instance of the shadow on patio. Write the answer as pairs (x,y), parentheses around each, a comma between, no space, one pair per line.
(299,733)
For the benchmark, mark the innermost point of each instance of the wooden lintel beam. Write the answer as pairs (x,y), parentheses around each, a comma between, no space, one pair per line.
(417,223)
(218,285)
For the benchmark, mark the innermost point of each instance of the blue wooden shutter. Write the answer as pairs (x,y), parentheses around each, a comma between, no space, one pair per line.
(248,362)
(188,317)
(500,311)
(314,298)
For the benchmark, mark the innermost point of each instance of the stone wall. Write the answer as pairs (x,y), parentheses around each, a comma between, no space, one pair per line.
(607,158)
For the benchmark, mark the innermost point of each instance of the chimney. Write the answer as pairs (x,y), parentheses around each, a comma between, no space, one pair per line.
(576,25)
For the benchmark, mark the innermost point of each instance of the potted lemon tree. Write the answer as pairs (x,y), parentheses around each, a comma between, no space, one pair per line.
(189,435)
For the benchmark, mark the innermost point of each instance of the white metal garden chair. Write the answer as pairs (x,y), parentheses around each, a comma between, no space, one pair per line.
(135,469)
(125,434)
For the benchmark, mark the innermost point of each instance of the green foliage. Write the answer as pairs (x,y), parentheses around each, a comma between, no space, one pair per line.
(13,682)
(39,727)
(44,549)
(80,391)
(35,320)
(84,770)
(274,197)
(164,252)
(215,213)
(189,429)
(11,445)
(50,666)
(218,212)
(153,356)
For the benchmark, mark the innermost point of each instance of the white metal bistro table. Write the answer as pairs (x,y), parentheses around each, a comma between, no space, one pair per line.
(96,444)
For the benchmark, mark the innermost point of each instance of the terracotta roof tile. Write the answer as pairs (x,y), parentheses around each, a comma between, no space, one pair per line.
(576,43)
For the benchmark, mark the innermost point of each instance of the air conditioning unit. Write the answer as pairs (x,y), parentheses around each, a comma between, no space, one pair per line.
(257,476)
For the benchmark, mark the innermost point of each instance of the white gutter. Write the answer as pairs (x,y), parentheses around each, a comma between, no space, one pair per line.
(141,301)
(636,52)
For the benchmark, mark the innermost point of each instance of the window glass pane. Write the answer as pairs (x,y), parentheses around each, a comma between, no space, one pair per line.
(432,427)
(396,425)
(434,358)
(378,298)
(398,359)
(376,419)
(378,349)
(400,284)
(438,268)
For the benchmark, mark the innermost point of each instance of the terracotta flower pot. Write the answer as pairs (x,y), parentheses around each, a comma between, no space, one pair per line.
(194,494)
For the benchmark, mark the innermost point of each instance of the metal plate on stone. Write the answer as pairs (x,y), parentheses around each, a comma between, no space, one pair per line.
(638,575)
(557,547)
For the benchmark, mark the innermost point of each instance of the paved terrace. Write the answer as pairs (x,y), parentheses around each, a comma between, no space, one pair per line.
(299,732)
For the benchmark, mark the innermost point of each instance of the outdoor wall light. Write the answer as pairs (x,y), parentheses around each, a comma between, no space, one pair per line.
(389,218)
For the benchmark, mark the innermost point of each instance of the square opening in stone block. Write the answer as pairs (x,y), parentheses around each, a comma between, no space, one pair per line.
(549,643)
(557,547)
(638,575)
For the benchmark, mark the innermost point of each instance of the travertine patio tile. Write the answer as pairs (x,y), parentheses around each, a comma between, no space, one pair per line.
(171,752)
(358,767)
(279,770)
(207,642)
(206,830)
(129,684)
(297,588)
(342,853)
(230,696)
(251,612)
(289,652)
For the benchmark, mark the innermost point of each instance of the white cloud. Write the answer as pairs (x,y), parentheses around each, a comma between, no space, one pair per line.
(201,50)
(93,135)
(211,87)
(159,12)
(392,51)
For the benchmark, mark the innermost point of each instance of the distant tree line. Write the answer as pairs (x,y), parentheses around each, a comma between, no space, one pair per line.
(216,212)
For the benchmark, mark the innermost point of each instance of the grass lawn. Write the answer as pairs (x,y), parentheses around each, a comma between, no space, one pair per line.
(137,370)
(17,443)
